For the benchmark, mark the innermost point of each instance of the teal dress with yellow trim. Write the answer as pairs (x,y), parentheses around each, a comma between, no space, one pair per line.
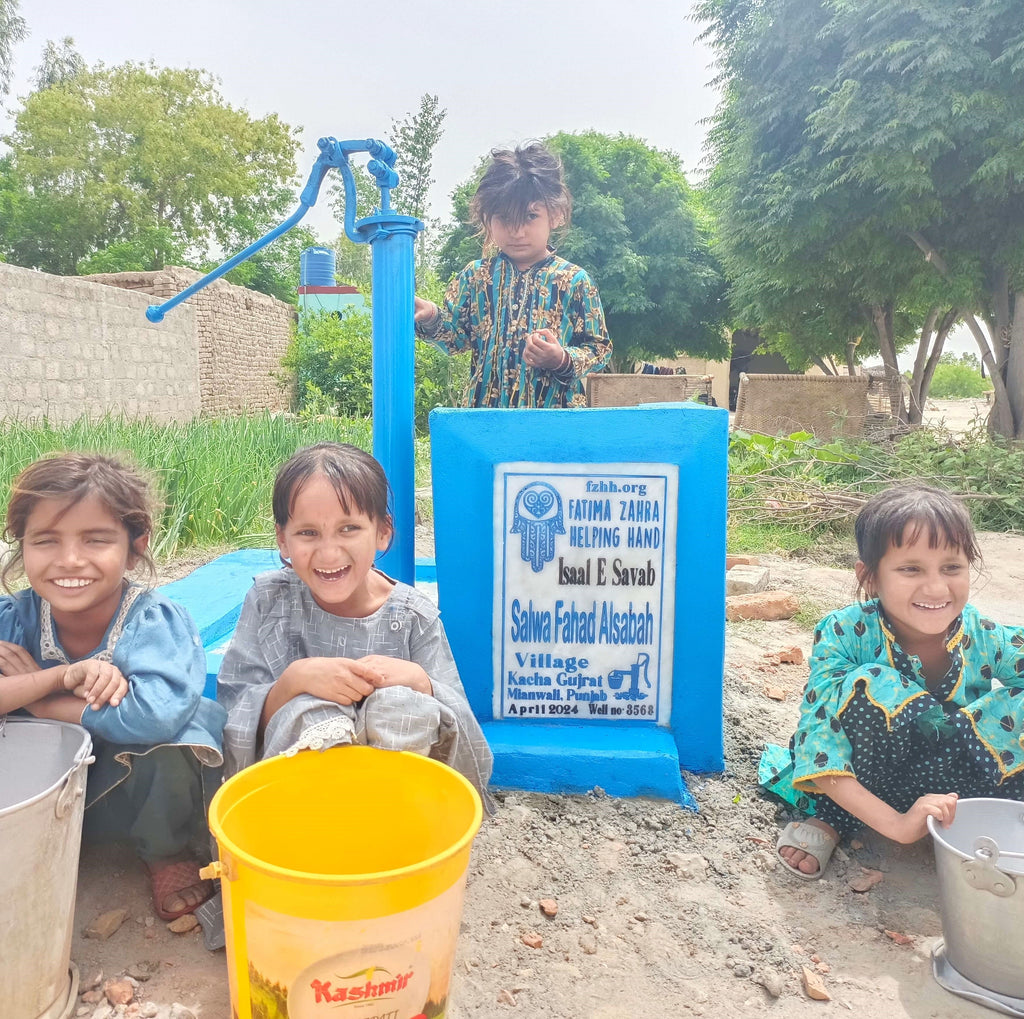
(868,712)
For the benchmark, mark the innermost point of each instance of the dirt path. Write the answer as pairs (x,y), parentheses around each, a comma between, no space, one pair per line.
(661,911)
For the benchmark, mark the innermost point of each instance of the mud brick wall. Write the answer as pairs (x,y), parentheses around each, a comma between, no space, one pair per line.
(71,347)
(241,337)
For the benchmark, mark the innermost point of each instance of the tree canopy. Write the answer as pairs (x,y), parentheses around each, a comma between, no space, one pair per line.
(870,155)
(135,166)
(12,31)
(642,234)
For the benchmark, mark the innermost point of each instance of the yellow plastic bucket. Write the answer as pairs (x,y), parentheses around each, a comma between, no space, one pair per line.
(343,874)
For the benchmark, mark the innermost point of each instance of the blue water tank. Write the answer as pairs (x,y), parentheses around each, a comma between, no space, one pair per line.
(316,267)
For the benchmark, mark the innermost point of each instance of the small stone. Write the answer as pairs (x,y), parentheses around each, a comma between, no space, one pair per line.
(641,917)
(150,921)
(84,1010)
(506,997)
(532,940)
(823,967)
(93,997)
(141,971)
(856,844)
(865,880)
(549,907)
(105,1011)
(763,605)
(587,918)
(92,983)
(741,560)
(791,656)
(183,924)
(743,580)
(771,981)
(525,901)
(179,1011)
(118,992)
(775,693)
(106,923)
(148,1010)
(589,944)
(814,985)
(149,933)
(691,866)
(742,969)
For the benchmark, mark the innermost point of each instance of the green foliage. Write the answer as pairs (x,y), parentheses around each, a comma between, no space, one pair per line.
(641,232)
(145,163)
(958,378)
(12,31)
(213,477)
(788,484)
(862,147)
(60,64)
(331,358)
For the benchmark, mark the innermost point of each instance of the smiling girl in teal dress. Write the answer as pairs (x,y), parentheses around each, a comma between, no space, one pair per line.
(901,714)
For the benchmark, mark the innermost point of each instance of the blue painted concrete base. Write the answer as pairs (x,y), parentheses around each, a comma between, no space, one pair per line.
(635,761)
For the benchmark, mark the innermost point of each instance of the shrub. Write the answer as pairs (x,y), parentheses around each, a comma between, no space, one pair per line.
(958,378)
(332,360)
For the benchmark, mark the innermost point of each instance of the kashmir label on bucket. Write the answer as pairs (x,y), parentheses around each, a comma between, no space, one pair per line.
(391,967)
(585,606)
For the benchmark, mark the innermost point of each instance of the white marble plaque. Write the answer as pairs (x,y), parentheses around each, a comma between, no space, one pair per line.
(585,606)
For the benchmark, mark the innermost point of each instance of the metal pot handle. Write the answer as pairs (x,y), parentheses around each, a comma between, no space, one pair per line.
(982,872)
(74,786)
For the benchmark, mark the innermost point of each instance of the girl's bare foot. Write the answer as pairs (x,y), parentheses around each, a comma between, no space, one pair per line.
(804,860)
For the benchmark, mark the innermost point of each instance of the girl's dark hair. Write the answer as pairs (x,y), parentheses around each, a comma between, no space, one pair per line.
(884,519)
(356,477)
(514,180)
(73,477)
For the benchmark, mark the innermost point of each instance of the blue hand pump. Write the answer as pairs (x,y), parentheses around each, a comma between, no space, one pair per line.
(392,239)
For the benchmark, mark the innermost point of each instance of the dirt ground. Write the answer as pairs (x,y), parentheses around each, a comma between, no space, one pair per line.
(661,911)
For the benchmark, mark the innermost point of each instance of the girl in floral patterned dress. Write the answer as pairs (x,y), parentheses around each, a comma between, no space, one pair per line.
(902,714)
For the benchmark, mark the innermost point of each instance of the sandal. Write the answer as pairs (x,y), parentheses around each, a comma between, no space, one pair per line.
(812,840)
(169,879)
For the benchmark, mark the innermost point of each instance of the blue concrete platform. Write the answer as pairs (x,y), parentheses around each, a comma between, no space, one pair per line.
(553,758)
(214,593)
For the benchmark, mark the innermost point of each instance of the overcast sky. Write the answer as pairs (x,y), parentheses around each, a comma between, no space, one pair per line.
(505,72)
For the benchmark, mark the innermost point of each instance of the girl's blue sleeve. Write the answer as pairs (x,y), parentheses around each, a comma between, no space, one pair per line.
(161,656)
(11,629)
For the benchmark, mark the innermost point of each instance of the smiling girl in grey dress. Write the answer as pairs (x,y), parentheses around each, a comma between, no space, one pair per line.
(329,650)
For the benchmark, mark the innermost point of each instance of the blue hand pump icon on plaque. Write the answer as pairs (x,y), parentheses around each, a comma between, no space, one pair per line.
(537,518)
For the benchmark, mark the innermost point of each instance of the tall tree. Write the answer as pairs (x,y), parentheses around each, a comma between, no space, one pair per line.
(60,63)
(414,139)
(150,159)
(862,126)
(12,31)
(643,235)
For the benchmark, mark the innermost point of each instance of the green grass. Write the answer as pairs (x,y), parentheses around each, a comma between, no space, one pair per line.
(212,477)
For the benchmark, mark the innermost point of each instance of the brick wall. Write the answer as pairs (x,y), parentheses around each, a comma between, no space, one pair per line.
(241,337)
(72,347)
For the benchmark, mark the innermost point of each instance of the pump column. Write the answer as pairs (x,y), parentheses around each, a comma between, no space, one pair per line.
(392,239)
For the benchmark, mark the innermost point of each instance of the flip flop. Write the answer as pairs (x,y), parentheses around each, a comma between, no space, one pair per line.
(812,840)
(170,879)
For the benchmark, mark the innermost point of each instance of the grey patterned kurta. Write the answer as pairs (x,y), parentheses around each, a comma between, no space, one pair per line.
(281,623)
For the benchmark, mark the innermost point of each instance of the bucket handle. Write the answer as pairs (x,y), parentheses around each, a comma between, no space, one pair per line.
(74,785)
(982,872)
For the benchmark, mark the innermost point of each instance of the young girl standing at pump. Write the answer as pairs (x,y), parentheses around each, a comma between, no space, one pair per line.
(82,644)
(532,320)
(331,651)
(900,716)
